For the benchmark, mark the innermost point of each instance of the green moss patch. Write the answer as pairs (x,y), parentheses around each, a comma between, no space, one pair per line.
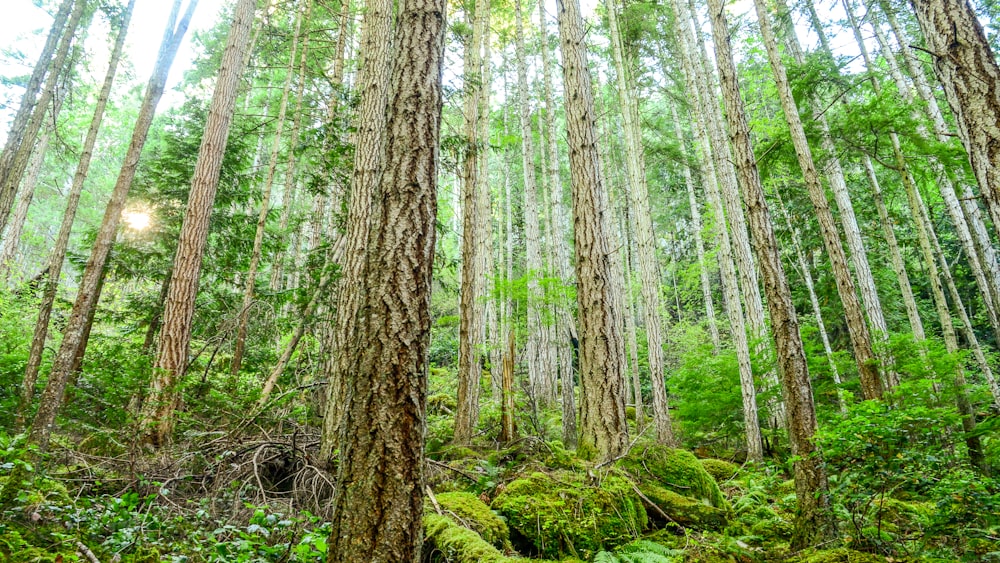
(561,515)
(675,470)
(467,509)
(720,470)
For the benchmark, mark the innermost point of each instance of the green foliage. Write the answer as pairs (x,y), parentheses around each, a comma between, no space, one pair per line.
(560,514)
(640,551)
(719,469)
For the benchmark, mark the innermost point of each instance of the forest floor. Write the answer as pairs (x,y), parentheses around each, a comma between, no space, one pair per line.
(250,496)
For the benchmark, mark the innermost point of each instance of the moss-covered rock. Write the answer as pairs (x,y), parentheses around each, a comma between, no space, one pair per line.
(561,515)
(686,511)
(467,509)
(676,470)
(15,549)
(839,555)
(719,469)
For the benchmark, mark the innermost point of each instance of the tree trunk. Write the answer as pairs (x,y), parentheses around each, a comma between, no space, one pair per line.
(813,524)
(710,163)
(369,161)
(16,137)
(566,327)
(471,329)
(638,191)
(62,240)
(265,206)
(86,300)
(603,429)
(15,228)
(968,70)
(12,173)
(871,383)
(175,336)
(378,505)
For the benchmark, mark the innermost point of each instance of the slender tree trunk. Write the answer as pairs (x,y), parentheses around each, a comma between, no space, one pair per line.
(603,430)
(871,383)
(11,174)
(16,137)
(369,162)
(378,505)
(62,240)
(710,163)
(638,191)
(566,326)
(12,238)
(814,301)
(968,70)
(813,524)
(834,173)
(175,336)
(471,328)
(86,300)
(508,430)
(265,206)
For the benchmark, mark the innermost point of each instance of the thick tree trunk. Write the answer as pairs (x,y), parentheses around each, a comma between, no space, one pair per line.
(871,383)
(72,202)
(813,524)
(603,429)
(378,505)
(11,175)
(265,206)
(175,336)
(968,70)
(369,162)
(86,300)
(471,328)
(710,164)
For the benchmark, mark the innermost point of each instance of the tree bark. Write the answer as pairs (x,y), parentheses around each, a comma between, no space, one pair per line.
(15,228)
(378,505)
(86,300)
(175,336)
(967,69)
(710,164)
(813,524)
(603,429)
(369,161)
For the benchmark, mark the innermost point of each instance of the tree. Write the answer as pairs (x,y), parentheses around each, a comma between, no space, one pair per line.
(87,295)
(175,336)
(73,200)
(378,505)
(968,70)
(603,430)
(813,523)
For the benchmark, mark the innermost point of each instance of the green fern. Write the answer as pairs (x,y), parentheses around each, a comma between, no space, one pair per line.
(640,551)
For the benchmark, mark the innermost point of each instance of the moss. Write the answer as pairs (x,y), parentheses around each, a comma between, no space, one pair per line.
(561,458)
(457,543)
(686,511)
(785,487)
(720,470)
(561,515)
(676,470)
(15,549)
(467,509)
(452,453)
(772,529)
(903,516)
(840,555)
